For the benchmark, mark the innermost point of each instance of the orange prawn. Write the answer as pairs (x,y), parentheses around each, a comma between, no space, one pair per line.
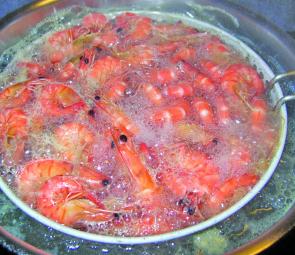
(33,175)
(74,141)
(16,95)
(134,163)
(65,200)
(242,79)
(14,131)
(58,100)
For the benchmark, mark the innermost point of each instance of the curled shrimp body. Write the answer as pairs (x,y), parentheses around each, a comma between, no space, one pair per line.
(64,199)
(13,131)
(59,100)
(242,79)
(32,176)
(16,95)
(35,173)
(74,141)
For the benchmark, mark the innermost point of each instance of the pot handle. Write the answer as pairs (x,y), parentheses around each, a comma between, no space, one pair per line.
(271,84)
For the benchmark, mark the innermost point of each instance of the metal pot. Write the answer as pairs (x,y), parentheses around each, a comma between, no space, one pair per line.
(228,23)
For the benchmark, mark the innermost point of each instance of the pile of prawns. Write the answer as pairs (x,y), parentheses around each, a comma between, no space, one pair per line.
(178,72)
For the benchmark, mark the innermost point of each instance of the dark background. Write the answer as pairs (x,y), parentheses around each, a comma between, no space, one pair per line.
(279,12)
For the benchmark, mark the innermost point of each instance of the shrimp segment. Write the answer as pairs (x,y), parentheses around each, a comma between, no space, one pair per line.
(64,199)
(119,119)
(58,100)
(204,110)
(178,91)
(172,113)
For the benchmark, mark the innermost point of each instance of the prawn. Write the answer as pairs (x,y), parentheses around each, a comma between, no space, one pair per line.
(14,131)
(58,100)
(133,162)
(242,79)
(74,141)
(65,200)
(35,173)
(16,95)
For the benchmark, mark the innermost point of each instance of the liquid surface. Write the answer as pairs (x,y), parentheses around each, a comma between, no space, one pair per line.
(131,127)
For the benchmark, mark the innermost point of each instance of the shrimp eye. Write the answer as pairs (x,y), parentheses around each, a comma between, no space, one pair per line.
(116,215)
(105,182)
(119,30)
(215,141)
(123,138)
(190,210)
(98,49)
(91,113)
(112,145)
(86,60)
(97,98)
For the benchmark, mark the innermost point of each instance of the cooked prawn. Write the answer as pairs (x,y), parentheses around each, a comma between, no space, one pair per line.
(74,141)
(134,163)
(65,200)
(59,100)
(16,95)
(13,131)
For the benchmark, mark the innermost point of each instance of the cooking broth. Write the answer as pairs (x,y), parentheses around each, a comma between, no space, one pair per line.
(144,127)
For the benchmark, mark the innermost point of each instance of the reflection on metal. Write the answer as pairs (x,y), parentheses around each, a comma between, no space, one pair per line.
(276,79)
(42,3)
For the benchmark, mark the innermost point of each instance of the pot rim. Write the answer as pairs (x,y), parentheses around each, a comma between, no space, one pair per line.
(268,74)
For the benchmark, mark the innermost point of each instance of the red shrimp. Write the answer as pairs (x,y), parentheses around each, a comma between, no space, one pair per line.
(94,21)
(242,79)
(204,111)
(187,54)
(74,141)
(181,89)
(16,95)
(133,162)
(58,100)
(152,93)
(225,191)
(13,131)
(173,113)
(213,70)
(140,30)
(204,83)
(33,175)
(118,118)
(64,200)
(105,68)
(61,44)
